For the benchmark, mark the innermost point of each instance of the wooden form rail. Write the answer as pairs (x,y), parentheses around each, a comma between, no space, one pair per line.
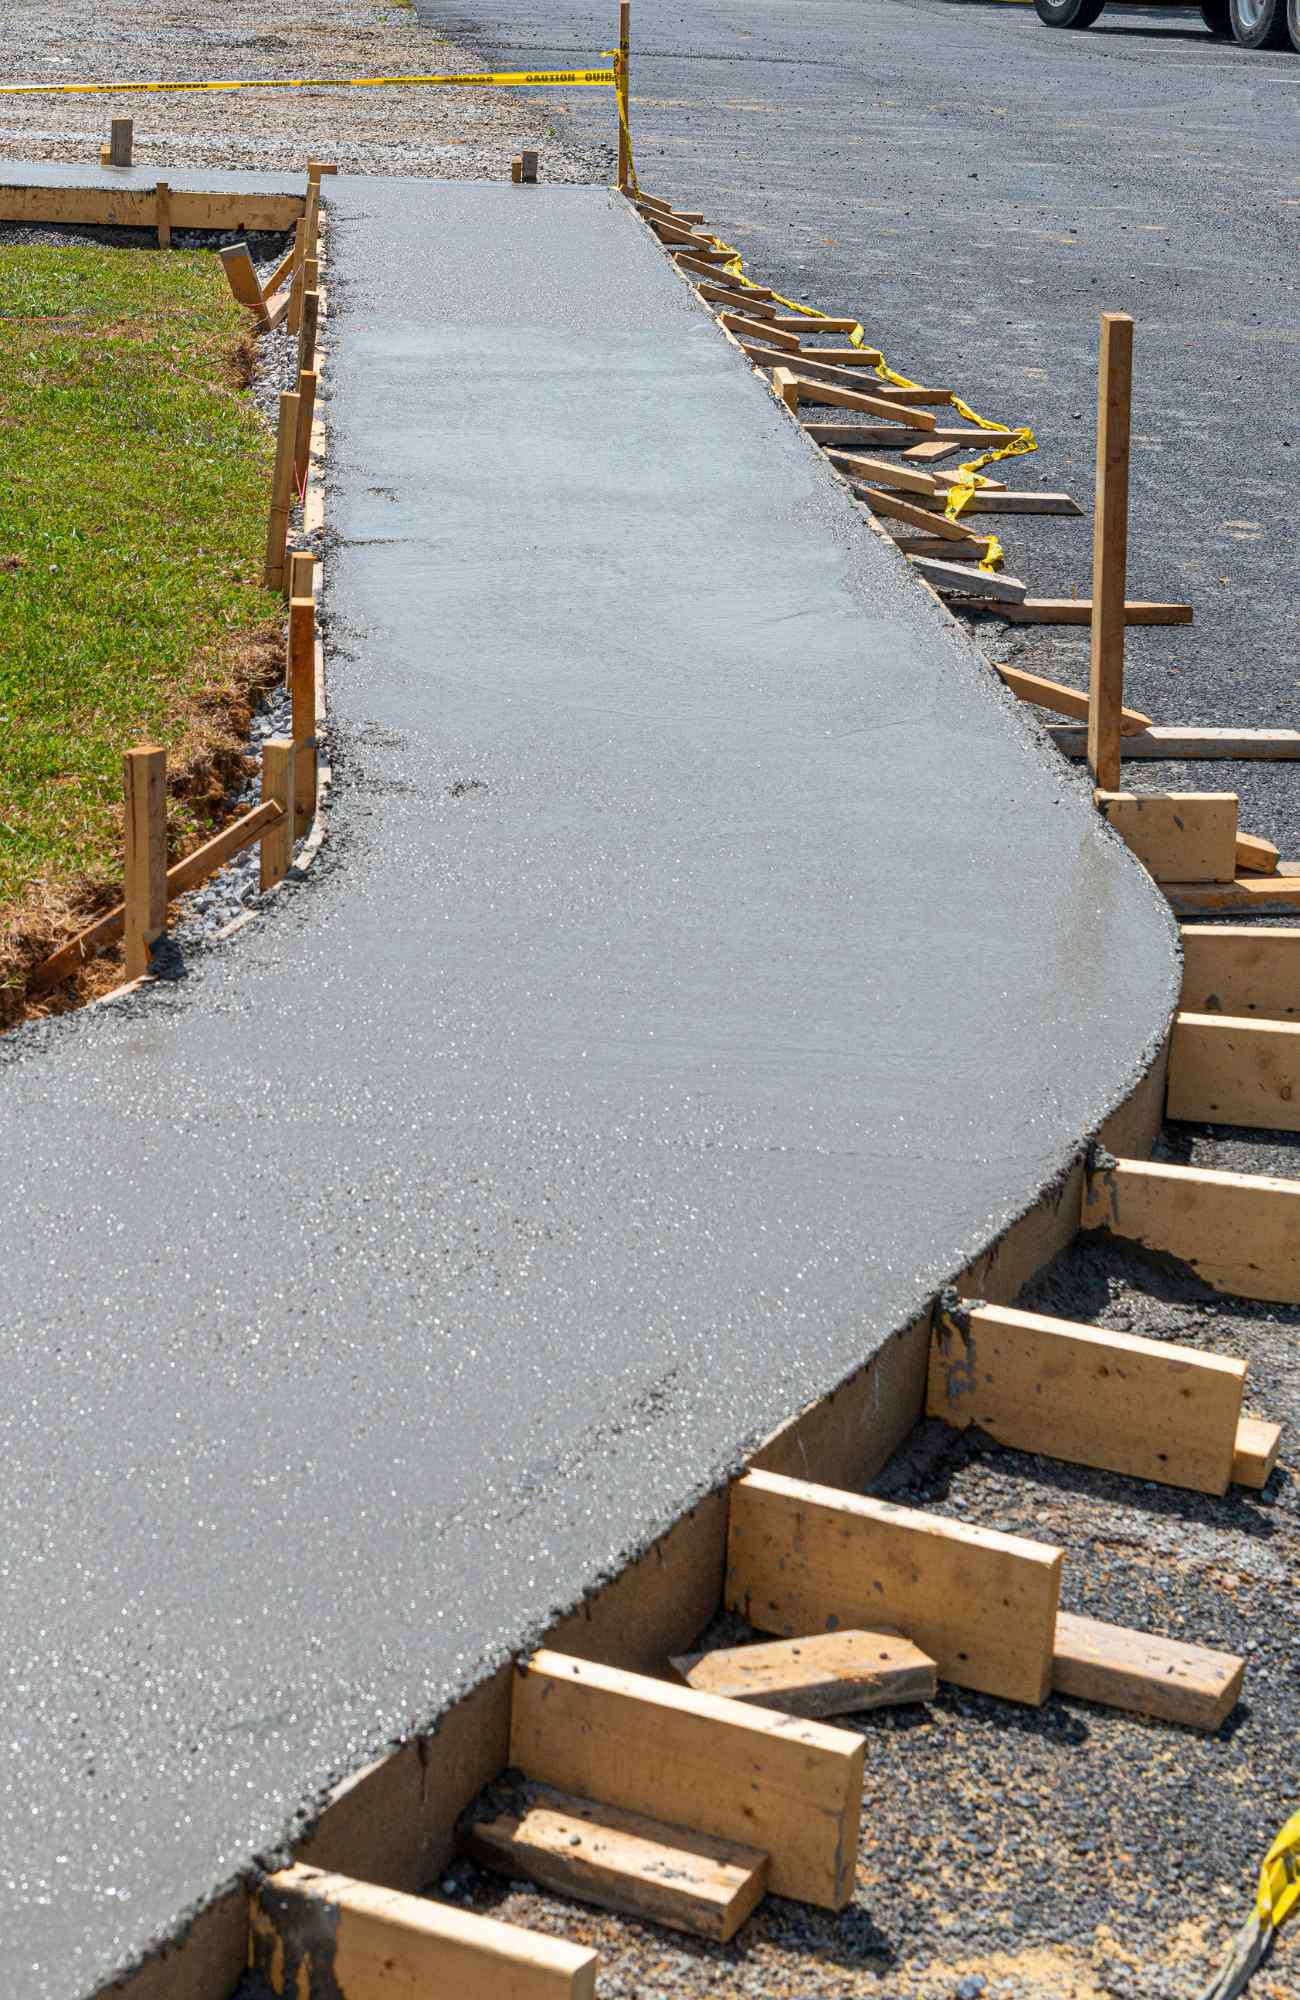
(983,1605)
(1145,1408)
(120,207)
(310,1931)
(1239,1233)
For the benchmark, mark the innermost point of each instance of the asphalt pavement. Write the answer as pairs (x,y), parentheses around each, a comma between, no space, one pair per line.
(707,961)
(978,188)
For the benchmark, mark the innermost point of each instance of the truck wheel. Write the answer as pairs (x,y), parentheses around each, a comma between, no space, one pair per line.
(1293,23)
(1217,16)
(1259,24)
(1068,13)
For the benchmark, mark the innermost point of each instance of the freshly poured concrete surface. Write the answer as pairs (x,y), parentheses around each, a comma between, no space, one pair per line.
(707,961)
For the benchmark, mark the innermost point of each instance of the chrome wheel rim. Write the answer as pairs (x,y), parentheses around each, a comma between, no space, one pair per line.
(1249,12)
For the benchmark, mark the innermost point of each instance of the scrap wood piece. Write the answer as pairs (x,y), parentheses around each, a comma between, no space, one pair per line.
(1191,745)
(787,1786)
(927,453)
(618,1860)
(1225,1069)
(935,545)
(1007,500)
(807,390)
(1078,611)
(1145,1674)
(741,302)
(1256,1450)
(757,330)
(239,269)
(806,323)
(828,1673)
(882,472)
(1238,1232)
(952,581)
(1256,856)
(895,509)
(1065,700)
(334,1934)
(1147,1409)
(1244,969)
(982,1605)
(1177,836)
(1249,892)
(892,438)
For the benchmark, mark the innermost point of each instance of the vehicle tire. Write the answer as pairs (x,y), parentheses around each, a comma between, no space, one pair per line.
(1217,16)
(1068,13)
(1293,23)
(1259,24)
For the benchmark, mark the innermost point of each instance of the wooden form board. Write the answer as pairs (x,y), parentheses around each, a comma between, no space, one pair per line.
(1189,745)
(1144,1674)
(309,1931)
(883,472)
(1257,855)
(829,1673)
(1227,1069)
(1238,1232)
(1064,700)
(1249,892)
(1241,969)
(986,501)
(831,394)
(804,1558)
(891,437)
(789,1787)
(950,580)
(1082,1393)
(137,208)
(1178,836)
(892,507)
(619,1860)
(1258,1444)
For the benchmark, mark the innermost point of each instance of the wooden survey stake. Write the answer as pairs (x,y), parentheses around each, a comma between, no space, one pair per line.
(1110,549)
(144,879)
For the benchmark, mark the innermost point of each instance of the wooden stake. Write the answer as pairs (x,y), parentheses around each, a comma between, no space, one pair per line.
(144,872)
(307,331)
(365,1942)
(302,577)
(121,140)
(302,687)
(163,215)
(307,385)
(1065,700)
(281,489)
(238,267)
(293,319)
(1110,549)
(528,167)
(277,784)
(624,93)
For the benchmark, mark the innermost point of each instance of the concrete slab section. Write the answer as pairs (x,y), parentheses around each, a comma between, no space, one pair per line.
(707,962)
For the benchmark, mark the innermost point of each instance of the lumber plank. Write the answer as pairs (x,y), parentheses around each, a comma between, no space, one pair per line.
(757,330)
(790,1787)
(892,437)
(700,258)
(1144,1674)
(951,581)
(1248,892)
(892,508)
(278,771)
(1238,1232)
(1191,745)
(863,357)
(1228,1069)
(810,391)
(1110,547)
(1078,611)
(810,368)
(1177,836)
(1065,700)
(679,232)
(329,1933)
(806,323)
(828,1673)
(881,472)
(1146,1408)
(1241,969)
(1256,1451)
(988,500)
(804,1558)
(242,277)
(137,208)
(741,302)
(618,1860)
(936,545)
(1256,856)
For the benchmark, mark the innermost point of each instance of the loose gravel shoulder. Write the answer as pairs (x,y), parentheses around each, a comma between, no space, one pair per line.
(456,134)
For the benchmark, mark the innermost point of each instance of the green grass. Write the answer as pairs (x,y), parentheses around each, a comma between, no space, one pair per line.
(133,495)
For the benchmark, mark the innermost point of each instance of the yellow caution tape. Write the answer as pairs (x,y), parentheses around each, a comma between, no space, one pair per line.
(506,79)
(1279,1878)
(967,480)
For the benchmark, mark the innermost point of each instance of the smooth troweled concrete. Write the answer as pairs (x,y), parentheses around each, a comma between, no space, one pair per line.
(707,960)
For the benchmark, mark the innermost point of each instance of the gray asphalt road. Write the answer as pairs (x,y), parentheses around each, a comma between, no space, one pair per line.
(708,961)
(977,188)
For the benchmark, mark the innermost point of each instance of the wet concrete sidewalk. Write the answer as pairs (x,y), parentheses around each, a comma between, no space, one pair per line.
(707,962)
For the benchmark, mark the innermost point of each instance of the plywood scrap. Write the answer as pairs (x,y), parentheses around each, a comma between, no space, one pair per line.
(1084,1394)
(1178,836)
(1064,700)
(1249,969)
(828,1673)
(1228,1069)
(618,1860)
(1238,1232)
(789,1787)
(1164,1678)
(804,1558)
(310,1931)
